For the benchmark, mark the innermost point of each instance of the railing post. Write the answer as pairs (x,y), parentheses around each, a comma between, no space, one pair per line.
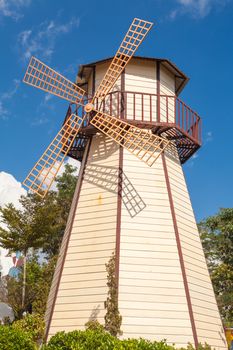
(175,109)
(122,111)
(134,107)
(158,89)
(150,109)
(125,106)
(182,116)
(111,103)
(142,106)
(194,126)
(178,112)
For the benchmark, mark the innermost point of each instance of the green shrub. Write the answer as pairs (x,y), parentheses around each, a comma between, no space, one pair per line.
(98,339)
(204,346)
(82,340)
(15,339)
(143,344)
(33,325)
(95,338)
(94,325)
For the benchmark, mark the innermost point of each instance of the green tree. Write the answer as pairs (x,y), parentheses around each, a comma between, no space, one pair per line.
(217,238)
(66,184)
(38,225)
(38,281)
(20,234)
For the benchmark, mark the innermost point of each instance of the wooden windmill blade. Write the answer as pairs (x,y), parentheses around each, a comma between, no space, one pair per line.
(144,145)
(45,78)
(42,175)
(133,38)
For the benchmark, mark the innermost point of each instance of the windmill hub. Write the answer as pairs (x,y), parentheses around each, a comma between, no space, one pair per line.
(89,107)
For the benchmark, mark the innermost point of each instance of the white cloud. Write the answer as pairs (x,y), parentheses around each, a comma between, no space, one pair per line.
(208,136)
(10,192)
(48,97)
(10,189)
(39,121)
(195,156)
(40,41)
(196,8)
(4,113)
(13,8)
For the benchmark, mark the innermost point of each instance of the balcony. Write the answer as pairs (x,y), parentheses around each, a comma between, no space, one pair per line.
(164,115)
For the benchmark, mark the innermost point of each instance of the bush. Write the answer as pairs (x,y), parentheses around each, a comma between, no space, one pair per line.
(15,339)
(143,344)
(33,325)
(200,347)
(82,340)
(98,339)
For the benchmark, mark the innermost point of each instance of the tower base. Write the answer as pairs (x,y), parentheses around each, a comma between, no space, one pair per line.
(145,217)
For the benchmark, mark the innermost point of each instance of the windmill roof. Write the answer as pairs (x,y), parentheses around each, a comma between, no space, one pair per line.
(181,78)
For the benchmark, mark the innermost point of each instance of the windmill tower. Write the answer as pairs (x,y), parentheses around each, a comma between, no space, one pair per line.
(132,133)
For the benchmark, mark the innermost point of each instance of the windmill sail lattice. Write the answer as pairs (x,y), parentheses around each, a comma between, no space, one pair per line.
(43,77)
(144,145)
(133,38)
(40,178)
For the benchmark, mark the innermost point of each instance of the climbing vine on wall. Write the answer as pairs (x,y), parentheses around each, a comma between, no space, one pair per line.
(113,318)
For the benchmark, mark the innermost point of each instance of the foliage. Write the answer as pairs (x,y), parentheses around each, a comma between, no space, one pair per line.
(21,334)
(217,238)
(33,325)
(66,184)
(200,347)
(39,277)
(94,325)
(40,222)
(38,226)
(143,344)
(3,290)
(112,317)
(20,233)
(82,340)
(99,339)
(15,339)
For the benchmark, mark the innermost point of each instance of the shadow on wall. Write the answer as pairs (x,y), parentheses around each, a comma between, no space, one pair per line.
(115,180)
(105,147)
(94,313)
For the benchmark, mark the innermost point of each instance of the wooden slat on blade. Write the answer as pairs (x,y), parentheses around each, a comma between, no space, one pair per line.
(45,78)
(133,38)
(41,177)
(144,145)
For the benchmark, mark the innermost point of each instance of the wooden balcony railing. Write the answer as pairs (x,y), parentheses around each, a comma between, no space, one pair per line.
(152,109)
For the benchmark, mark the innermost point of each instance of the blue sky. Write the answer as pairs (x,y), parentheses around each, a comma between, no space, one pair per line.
(196,34)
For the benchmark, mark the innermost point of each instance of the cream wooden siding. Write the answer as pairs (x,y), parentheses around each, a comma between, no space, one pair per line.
(90,85)
(206,314)
(167,87)
(99,74)
(152,298)
(140,77)
(83,289)
(55,281)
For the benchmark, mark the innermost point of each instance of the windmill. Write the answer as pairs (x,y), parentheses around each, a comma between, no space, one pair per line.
(132,133)
(143,144)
